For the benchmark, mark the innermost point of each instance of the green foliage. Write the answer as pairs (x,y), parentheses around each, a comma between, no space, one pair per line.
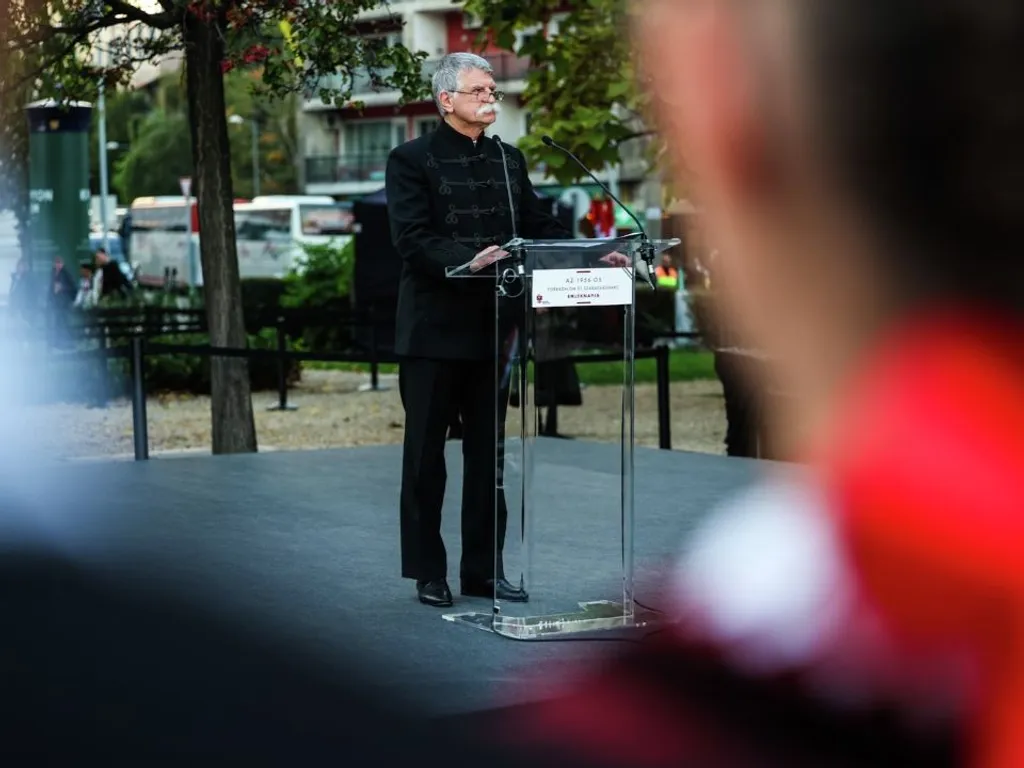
(190,374)
(159,156)
(277,143)
(581,88)
(296,47)
(181,373)
(322,285)
(126,112)
(261,297)
(323,279)
(274,51)
(151,129)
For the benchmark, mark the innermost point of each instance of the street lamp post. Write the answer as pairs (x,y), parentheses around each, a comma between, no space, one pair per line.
(104,181)
(254,125)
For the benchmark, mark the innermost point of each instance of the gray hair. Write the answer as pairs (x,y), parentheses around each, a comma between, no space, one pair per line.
(446,76)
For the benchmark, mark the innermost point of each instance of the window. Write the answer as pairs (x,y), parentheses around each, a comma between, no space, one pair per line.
(524,37)
(426,125)
(326,219)
(159,219)
(373,139)
(272,225)
(383,40)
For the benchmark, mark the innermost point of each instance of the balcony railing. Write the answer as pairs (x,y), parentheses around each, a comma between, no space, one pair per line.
(507,66)
(335,169)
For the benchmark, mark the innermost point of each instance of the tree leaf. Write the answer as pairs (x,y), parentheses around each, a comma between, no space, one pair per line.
(581,85)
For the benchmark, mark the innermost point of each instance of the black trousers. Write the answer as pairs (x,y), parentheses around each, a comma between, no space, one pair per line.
(742,411)
(431,390)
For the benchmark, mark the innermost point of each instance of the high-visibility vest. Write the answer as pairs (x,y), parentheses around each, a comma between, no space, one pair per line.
(667,278)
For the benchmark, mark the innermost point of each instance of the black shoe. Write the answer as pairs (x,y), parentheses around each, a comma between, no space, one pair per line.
(501,590)
(434,593)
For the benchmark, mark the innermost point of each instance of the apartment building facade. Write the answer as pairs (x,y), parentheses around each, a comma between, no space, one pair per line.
(345,150)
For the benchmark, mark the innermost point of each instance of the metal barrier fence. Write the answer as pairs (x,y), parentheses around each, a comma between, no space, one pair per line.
(137,328)
(140,348)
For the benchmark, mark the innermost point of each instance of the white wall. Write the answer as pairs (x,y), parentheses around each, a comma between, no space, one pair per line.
(426,32)
(510,123)
(317,135)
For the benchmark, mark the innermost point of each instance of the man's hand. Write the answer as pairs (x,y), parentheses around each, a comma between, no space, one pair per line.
(486,257)
(616,259)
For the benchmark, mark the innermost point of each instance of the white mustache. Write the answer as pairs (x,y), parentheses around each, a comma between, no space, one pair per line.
(488,109)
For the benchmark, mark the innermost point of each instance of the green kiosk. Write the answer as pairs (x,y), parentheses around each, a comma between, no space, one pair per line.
(59,194)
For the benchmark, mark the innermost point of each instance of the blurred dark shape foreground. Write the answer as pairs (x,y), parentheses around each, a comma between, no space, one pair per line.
(92,668)
(95,668)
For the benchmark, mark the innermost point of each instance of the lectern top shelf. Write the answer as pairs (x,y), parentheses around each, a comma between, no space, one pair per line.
(585,253)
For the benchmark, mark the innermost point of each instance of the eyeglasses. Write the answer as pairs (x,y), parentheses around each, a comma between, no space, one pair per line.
(480,93)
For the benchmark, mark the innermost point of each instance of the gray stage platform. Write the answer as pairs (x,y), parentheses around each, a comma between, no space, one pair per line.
(306,544)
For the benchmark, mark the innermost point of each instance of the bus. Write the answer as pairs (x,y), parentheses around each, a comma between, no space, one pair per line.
(270,231)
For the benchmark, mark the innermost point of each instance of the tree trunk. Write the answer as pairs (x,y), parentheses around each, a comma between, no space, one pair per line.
(14,147)
(234,429)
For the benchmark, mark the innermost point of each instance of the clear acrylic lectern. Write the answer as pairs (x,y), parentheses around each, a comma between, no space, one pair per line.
(560,304)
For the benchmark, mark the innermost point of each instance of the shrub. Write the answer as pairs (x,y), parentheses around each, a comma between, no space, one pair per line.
(186,373)
(181,372)
(320,289)
(261,298)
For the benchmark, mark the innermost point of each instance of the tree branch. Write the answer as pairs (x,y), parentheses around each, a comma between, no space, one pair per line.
(44,32)
(636,135)
(119,13)
(42,65)
(167,19)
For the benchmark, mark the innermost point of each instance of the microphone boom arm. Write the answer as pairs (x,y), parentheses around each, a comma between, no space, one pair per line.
(646,248)
(517,252)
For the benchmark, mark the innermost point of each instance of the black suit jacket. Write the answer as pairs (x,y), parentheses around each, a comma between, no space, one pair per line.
(447,201)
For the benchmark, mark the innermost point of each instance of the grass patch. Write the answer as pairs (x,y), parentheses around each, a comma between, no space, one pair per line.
(684,365)
(321,365)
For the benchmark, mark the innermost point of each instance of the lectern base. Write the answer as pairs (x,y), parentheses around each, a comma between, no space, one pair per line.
(597,616)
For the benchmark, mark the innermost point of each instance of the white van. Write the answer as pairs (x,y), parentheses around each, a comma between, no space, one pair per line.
(269,231)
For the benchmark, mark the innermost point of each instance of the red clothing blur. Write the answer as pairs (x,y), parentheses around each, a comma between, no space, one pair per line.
(923,478)
(928,470)
(602,215)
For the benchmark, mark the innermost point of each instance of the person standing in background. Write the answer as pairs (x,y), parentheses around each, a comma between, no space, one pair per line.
(60,299)
(666,275)
(736,366)
(110,280)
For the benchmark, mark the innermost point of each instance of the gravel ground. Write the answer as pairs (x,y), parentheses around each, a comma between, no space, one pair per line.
(334,412)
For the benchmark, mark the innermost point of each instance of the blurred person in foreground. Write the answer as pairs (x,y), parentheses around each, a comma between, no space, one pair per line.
(860,162)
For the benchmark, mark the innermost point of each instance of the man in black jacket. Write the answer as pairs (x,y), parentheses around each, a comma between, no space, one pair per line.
(448,204)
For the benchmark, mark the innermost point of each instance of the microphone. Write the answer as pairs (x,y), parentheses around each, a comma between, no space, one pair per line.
(508,185)
(511,204)
(646,249)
